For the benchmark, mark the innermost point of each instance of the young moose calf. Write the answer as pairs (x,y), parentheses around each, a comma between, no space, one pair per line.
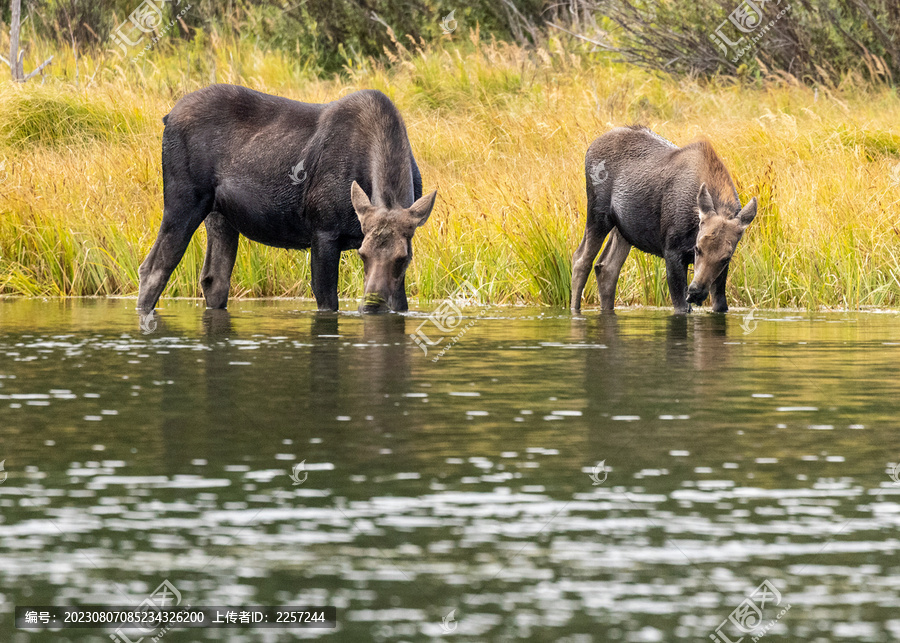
(290,175)
(676,203)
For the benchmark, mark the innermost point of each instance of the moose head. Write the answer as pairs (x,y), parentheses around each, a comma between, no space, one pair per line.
(386,248)
(717,239)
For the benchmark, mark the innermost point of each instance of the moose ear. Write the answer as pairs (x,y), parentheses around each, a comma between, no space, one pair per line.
(705,203)
(745,216)
(420,210)
(359,199)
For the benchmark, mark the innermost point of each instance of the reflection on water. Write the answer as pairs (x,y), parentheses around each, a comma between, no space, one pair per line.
(729,458)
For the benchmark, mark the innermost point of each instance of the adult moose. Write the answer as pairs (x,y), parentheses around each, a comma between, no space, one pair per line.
(676,203)
(329,177)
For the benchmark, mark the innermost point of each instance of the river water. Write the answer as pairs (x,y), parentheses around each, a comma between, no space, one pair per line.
(535,476)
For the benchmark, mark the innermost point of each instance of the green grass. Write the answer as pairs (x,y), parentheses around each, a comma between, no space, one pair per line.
(501,132)
(45,116)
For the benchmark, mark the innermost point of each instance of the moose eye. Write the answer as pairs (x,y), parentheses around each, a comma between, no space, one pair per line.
(697,251)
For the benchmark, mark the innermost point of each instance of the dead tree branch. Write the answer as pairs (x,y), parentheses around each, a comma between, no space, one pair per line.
(16,55)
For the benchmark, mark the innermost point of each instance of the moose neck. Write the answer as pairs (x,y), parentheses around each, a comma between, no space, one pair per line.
(390,168)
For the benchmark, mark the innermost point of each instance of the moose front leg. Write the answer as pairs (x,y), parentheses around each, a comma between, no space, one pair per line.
(676,275)
(719,304)
(325,260)
(398,301)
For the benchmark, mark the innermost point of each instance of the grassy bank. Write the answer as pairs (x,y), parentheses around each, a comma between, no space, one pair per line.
(501,132)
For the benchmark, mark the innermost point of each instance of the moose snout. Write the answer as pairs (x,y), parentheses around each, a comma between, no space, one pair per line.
(697,294)
(373,303)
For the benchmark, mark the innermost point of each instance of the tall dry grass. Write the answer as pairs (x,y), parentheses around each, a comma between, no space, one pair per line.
(501,132)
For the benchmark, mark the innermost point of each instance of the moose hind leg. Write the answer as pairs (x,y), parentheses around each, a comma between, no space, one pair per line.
(609,266)
(221,251)
(181,218)
(594,234)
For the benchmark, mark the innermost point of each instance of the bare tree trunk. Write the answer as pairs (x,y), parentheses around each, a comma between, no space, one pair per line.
(15,58)
(15,55)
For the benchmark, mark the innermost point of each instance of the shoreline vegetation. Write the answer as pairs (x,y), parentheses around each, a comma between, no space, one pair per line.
(500,130)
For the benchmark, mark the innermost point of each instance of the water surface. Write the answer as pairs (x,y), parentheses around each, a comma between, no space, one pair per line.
(733,452)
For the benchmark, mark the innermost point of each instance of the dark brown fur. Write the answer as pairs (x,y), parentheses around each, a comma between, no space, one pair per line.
(228,153)
(664,200)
